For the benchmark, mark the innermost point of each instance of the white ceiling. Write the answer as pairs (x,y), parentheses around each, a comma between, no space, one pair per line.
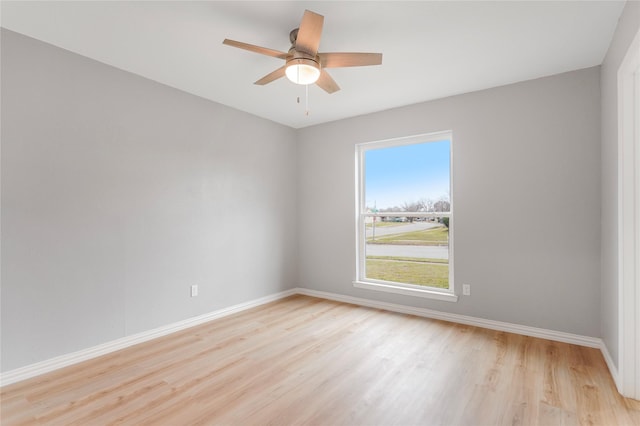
(430,49)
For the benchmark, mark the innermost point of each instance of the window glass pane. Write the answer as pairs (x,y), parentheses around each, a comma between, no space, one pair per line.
(408,178)
(408,252)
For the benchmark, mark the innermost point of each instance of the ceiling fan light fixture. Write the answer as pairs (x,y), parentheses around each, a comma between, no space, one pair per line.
(303,71)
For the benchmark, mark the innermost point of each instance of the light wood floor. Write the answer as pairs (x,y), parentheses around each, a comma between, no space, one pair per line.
(303,360)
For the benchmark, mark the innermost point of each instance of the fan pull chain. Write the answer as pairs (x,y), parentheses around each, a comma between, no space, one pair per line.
(306,100)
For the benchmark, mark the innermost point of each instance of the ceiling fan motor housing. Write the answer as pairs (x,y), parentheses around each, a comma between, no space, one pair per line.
(296,57)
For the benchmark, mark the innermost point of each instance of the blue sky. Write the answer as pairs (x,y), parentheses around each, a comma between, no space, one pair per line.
(407,173)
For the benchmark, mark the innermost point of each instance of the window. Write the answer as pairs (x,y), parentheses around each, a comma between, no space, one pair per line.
(405,223)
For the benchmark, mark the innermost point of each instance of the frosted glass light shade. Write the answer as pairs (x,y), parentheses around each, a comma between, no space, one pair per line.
(302,71)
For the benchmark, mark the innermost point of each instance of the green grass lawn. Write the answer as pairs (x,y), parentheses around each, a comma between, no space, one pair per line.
(428,237)
(408,271)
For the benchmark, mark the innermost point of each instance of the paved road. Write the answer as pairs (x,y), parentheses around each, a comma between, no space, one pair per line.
(433,252)
(409,227)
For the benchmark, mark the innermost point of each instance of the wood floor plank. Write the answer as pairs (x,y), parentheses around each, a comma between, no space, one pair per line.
(308,361)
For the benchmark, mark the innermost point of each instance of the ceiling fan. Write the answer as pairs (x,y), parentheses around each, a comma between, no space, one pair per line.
(303,63)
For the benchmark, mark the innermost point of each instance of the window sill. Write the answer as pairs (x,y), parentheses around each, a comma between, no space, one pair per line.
(389,288)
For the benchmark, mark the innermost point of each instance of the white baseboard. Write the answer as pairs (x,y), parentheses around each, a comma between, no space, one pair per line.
(52,364)
(612,367)
(558,336)
(61,361)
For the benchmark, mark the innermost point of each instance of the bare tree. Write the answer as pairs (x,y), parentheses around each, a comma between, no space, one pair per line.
(411,207)
(426,204)
(442,205)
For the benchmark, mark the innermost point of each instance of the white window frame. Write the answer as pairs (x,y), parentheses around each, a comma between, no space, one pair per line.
(387,286)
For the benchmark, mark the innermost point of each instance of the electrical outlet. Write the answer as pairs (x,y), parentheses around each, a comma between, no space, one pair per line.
(194,290)
(466,289)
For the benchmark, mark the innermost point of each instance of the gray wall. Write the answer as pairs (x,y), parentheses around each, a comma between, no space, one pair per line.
(118,193)
(526,195)
(628,26)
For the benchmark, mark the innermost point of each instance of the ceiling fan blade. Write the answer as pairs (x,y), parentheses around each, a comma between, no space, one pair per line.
(309,33)
(279,73)
(254,48)
(345,59)
(327,83)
